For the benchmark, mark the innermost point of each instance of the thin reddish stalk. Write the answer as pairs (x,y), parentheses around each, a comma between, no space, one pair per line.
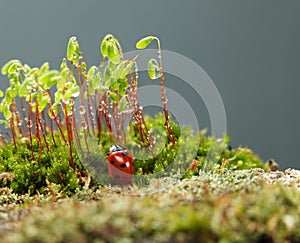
(69,131)
(57,124)
(75,129)
(42,129)
(11,124)
(50,120)
(164,101)
(37,130)
(99,127)
(29,128)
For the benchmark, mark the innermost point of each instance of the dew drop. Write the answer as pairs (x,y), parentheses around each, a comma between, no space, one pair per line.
(84,125)
(159,54)
(30,124)
(81,110)
(164,100)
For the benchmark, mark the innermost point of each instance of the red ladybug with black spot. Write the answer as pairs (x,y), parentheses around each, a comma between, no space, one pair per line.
(120,165)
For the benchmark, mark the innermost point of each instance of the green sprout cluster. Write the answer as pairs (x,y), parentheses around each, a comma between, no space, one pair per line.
(39,108)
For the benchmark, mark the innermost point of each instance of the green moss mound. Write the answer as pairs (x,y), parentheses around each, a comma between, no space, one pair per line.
(33,176)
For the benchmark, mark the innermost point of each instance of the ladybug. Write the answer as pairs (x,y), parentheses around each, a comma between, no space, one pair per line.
(120,165)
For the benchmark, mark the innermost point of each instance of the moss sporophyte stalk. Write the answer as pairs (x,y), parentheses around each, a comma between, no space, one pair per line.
(45,110)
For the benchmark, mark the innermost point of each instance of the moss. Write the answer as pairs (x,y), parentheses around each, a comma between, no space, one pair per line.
(238,206)
(31,175)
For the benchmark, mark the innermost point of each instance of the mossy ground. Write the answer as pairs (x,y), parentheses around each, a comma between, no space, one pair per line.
(233,206)
(234,200)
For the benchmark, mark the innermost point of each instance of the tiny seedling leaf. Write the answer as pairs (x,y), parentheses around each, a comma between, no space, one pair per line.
(113,53)
(114,97)
(143,43)
(45,67)
(5,68)
(120,69)
(122,104)
(71,48)
(127,69)
(91,72)
(4,123)
(103,47)
(45,79)
(13,67)
(7,112)
(153,69)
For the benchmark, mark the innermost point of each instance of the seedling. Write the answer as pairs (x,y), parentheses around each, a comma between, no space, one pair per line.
(41,101)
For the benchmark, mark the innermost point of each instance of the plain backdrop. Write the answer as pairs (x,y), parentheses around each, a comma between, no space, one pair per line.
(250,49)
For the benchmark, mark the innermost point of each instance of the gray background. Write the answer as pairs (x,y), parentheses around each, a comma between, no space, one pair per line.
(249,48)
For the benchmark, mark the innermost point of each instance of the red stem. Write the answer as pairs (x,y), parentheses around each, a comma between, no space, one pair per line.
(37,130)
(69,131)
(29,128)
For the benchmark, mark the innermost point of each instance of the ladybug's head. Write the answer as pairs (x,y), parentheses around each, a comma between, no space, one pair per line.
(116,148)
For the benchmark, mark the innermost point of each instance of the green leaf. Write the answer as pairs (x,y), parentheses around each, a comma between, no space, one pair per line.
(34,71)
(65,73)
(55,108)
(72,92)
(44,68)
(114,97)
(127,69)
(58,96)
(143,43)
(91,72)
(53,80)
(91,87)
(11,92)
(45,101)
(103,47)
(7,112)
(123,85)
(113,53)
(13,67)
(5,68)
(76,53)
(120,69)
(46,79)
(1,93)
(4,123)
(97,80)
(153,69)
(71,48)
(39,96)
(109,74)
(115,85)
(42,99)
(122,104)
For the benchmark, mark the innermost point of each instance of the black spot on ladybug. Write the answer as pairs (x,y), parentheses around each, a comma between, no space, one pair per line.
(123,166)
(124,153)
(117,177)
(112,162)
